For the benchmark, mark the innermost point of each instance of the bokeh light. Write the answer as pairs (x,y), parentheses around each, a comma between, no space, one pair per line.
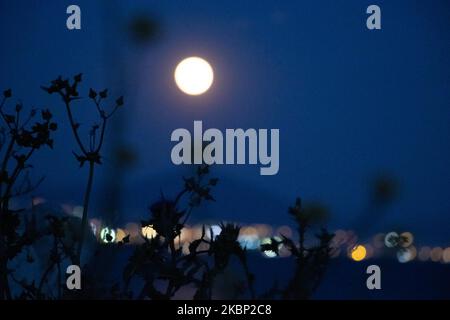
(270,253)
(370,251)
(424,253)
(358,253)
(120,234)
(285,231)
(213,231)
(406,254)
(391,239)
(108,235)
(446,255)
(148,232)
(436,254)
(378,240)
(77,211)
(407,239)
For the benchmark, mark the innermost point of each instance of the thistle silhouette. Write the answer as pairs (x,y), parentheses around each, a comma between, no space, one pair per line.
(310,261)
(161,258)
(91,152)
(21,136)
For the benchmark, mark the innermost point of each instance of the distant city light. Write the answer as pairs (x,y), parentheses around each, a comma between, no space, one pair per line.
(37,201)
(378,240)
(186,235)
(95,225)
(436,254)
(370,251)
(424,253)
(253,236)
(391,239)
(407,239)
(285,231)
(148,232)
(213,231)
(78,211)
(406,254)
(120,234)
(335,252)
(93,228)
(263,230)
(270,253)
(358,253)
(249,241)
(352,238)
(134,230)
(340,237)
(446,255)
(108,235)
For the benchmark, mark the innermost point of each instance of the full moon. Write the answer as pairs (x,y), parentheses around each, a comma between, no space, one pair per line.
(194,76)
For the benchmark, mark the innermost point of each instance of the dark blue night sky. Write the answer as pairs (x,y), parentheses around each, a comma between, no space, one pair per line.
(350,103)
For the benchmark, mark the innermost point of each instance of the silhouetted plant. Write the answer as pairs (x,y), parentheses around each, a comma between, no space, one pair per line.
(20,137)
(310,261)
(63,239)
(161,259)
(90,153)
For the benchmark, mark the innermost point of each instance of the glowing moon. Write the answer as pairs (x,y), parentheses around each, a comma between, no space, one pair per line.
(194,76)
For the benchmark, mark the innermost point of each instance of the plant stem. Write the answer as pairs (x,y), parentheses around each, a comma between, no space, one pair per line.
(74,128)
(84,219)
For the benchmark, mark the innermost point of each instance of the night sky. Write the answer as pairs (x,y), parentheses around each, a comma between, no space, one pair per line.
(350,103)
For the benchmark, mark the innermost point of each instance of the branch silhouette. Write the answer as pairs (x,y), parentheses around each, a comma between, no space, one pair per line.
(68,91)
